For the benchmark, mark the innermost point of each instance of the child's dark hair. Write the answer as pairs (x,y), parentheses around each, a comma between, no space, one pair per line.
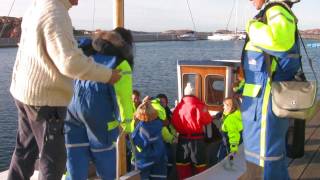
(125,34)
(136,92)
(162,96)
(127,37)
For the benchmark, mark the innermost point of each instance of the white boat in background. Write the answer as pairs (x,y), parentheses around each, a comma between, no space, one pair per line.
(241,36)
(226,36)
(222,37)
(188,36)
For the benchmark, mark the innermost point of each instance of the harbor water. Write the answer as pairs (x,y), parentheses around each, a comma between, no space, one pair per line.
(154,72)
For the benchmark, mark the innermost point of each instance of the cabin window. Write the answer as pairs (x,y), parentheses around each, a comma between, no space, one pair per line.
(195,80)
(215,89)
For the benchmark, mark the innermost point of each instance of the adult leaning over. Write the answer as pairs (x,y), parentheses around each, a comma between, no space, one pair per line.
(47,61)
(271,53)
(97,109)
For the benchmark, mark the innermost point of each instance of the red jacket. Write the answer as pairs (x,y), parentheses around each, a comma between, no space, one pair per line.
(190,116)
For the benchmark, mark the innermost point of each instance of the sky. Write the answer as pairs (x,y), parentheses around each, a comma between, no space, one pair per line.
(162,15)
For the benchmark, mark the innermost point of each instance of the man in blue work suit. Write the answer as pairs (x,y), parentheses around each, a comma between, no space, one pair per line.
(271,53)
(96,109)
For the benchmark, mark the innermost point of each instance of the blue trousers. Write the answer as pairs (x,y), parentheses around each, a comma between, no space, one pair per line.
(83,147)
(155,171)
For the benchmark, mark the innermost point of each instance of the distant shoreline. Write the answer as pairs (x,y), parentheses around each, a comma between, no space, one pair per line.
(147,37)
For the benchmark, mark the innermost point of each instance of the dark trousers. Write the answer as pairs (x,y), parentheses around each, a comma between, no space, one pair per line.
(40,135)
(190,157)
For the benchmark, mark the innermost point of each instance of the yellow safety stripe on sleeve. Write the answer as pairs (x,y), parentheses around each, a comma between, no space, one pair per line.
(279,32)
(123,89)
(158,107)
(264,122)
(251,90)
(112,125)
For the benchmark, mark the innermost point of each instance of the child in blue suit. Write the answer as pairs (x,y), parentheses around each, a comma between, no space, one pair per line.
(150,151)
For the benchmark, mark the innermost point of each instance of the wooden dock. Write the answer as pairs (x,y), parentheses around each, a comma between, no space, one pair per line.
(308,167)
(304,168)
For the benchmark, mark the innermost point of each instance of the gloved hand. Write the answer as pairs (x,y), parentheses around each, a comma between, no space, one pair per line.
(233,148)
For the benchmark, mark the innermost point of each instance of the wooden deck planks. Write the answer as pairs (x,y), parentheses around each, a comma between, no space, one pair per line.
(313,169)
(308,167)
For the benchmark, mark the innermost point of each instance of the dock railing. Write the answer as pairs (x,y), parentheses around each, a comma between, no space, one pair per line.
(9,42)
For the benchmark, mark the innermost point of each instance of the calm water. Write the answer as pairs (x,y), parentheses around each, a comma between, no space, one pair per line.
(155,72)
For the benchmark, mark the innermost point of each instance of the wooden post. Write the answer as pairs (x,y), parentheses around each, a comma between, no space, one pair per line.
(121,155)
(118,21)
(118,13)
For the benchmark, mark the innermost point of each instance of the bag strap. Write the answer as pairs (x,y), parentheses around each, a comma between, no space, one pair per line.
(298,37)
(309,59)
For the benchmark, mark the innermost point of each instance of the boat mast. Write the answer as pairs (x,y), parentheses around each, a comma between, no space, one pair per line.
(236,17)
(118,21)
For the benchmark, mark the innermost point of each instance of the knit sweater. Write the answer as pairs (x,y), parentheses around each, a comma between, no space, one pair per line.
(48,57)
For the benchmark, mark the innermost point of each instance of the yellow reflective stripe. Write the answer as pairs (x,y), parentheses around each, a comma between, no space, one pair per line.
(273,65)
(112,125)
(200,165)
(264,122)
(277,11)
(251,90)
(183,164)
(278,14)
(265,103)
(139,149)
